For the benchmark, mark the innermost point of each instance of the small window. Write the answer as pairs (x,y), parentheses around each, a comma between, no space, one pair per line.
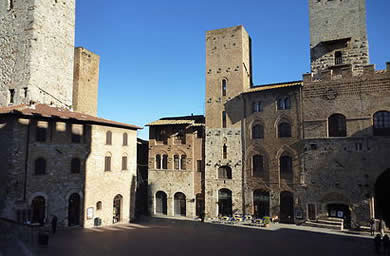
(11,96)
(382,123)
(40,134)
(183,163)
(124,163)
(338,57)
(125,139)
(284,103)
(224,172)
(165,162)
(337,126)
(40,166)
(176,162)
(224,149)
(257,131)
(199,165)
(257,107)
(286,167)
(284,130)
(75,165)
(25,92)
(224,119)
(77,131)
(224,82)
(258,165)
(158,162)
(107,163)
(108,138)
(99,205)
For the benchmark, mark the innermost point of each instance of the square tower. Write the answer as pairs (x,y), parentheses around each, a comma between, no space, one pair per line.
(37,51)
(338,35)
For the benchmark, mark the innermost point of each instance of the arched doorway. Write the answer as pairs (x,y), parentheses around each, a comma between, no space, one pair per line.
(286,207)
(382,192)
(180,204)
(117,209)
(261,203)
(225,202)
(38,207)
(199,204)
(161,203)
(74,210)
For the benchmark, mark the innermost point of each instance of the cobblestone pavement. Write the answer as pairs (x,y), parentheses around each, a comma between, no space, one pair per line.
(177,237)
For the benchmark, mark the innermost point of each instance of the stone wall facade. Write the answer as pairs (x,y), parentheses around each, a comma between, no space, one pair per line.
(86,81)
(37,52)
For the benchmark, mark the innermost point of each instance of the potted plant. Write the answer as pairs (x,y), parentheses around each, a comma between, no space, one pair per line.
(266,221)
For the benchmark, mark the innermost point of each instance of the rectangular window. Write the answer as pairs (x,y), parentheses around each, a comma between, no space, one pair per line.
(124,163)
(77,131)
(107,163)
(41,131)
(11,96)
(199,165)
(224,119)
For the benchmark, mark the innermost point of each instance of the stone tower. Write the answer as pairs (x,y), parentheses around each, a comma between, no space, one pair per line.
(37,51)
(228,73)
(338,35)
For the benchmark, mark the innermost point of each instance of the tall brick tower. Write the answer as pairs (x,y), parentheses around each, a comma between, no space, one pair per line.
(228,73)
(338,35)
(37,51)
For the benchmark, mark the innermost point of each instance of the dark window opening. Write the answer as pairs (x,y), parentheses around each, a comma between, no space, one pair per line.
(158,162)
(284,130)
(258,165)
(99,205)
(257,131)
(12,96)
(183,163)
(257,107)
(199,165)
(337,126)
(124,163)
(286,167)
(125,139)
(40,134)
(284,103)
(107,163)
(224,151)
(382,123)
(108,138)
(75,165)
(165,162)
(176,161)
(224,87)
(338,57)
(224,172)
(25,92)
(224,119)
(40,166)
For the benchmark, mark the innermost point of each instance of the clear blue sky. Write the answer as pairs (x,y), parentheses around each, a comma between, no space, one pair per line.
(153,52)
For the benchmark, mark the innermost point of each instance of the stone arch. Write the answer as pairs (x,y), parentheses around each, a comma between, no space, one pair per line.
(180,204)
(161,202)
(39,215)
(286,149)
(257,150)
(282,118)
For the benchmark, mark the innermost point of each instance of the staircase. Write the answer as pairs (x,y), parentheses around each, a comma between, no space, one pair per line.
(326,222)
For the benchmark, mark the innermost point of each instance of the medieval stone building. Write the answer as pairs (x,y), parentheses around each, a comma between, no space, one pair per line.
(57,157)
(297,150)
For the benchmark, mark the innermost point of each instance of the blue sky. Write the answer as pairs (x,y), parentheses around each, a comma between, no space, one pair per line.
(153,52)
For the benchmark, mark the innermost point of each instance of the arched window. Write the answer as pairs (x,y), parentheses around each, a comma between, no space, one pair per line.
(257,107)
(382,123)
(183,160)
(284,103)
(257,131)
(108,138)
(224,172)
(337,126)
(176,162)
(224,83)
(107,163)
(224,150)
(165,162)
(158,161)
(75,165)
(99,205)
(125,139)
(40,166)
(286,171)
(124,163)
(223,119)
(284,130)
(258,165)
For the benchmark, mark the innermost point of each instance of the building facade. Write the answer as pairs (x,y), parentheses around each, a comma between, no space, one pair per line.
(300,150)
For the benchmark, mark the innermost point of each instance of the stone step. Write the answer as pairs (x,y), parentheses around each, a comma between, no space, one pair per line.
(322,225)
(332,219)
(329,222)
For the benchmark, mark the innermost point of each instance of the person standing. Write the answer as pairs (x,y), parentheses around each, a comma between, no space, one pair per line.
(378,244)
(54,224)
(372,226)
(386,245)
